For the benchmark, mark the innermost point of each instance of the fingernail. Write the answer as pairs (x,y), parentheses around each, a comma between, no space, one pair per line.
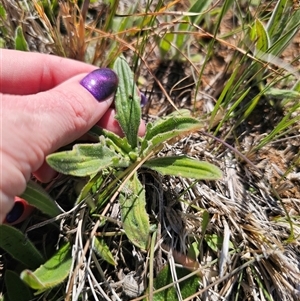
(101,83)
(20,211)
(144,100)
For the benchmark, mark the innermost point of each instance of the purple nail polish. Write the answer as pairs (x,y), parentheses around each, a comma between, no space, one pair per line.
(144,99)
(101,83)
(15,213)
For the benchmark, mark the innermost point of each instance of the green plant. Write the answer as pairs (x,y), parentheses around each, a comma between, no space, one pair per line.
(124,156)
(240,232)
(121,159)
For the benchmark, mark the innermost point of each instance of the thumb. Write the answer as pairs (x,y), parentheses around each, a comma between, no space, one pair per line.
(33,126)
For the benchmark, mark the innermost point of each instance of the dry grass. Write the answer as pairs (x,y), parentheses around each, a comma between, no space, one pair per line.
(252,215)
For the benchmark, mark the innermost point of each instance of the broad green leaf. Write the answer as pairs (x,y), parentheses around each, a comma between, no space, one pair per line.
(199,6)
(84,159)
(122,24)
(188,287)
(183,166)
(2,45)
(174,121)
(17,290)
(36,196)
(16,244)
(134,216)
(171,126)
(181,38)
(20,41)
(52,273)
(103,251)
(127,102)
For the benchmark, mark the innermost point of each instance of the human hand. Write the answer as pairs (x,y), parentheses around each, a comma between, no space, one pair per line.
(43,107)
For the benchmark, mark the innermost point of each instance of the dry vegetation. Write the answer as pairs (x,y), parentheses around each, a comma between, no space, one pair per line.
(240,233)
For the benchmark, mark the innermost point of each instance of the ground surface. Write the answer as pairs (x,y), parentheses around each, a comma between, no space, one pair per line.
(242,231)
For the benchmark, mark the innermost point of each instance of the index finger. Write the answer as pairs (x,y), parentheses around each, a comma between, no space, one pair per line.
(23,73)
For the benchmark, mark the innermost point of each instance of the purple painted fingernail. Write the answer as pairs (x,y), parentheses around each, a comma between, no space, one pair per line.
(144,99)
(101,83)
(15,213)
(20,211)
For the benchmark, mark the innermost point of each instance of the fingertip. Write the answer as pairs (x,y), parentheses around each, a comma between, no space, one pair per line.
(68,111)
(45,173)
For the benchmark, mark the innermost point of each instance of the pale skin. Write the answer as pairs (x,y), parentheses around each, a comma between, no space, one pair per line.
(42,107)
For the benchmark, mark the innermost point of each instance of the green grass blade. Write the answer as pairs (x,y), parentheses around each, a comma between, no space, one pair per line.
(291,28)
(284,124)
(274,27)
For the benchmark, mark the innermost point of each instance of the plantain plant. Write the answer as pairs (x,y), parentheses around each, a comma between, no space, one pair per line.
(124,156)
(114,156)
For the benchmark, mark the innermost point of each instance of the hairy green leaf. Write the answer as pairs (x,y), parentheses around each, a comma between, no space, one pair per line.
(51,273)
(282,93)
(15,243)
(103,251)
(134,216)
(36,196)
(184,166)
(84,159)
(171,126)
(17,290)
(127,102)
